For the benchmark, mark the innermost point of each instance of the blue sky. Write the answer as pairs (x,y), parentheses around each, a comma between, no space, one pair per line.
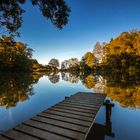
(90,21)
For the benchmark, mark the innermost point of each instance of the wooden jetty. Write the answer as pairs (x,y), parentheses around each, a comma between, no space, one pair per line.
(70,119)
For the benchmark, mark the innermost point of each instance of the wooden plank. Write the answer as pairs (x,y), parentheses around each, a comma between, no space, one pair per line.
(39,133)
(81,107)
(74,112)
(3,138)
(70,119)
(95,102)
(94,96)
(90,94)
(13,134)
(61,124)
(65,119)
(86,98)
(57,130)
(85,101)
(89,119)
(75,109)
(80,104)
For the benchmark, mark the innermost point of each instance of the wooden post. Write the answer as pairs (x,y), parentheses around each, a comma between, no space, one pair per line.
(66,97)
(108,106)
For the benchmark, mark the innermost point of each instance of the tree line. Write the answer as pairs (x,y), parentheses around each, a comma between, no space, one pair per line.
(121,53)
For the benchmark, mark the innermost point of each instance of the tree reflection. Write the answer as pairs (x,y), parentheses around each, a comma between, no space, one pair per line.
(90,81)
(124,88)
(54,78)
(119,86)
(15,88)
(70,77)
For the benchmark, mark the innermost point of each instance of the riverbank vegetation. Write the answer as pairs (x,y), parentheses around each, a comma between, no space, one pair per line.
(120,54)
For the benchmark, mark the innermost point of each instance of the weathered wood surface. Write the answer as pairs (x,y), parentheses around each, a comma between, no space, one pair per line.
(70,119)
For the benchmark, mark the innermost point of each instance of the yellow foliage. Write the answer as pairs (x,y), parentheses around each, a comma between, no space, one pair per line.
(127,43)
(90,59)
(90,81)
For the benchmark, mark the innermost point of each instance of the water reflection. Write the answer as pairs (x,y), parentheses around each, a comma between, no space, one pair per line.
(16,88)
(54,78)
(120,87)
(124,88)
(70,77)
(22,96)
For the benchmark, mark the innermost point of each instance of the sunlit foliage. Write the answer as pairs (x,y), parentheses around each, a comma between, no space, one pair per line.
(123,52)
(14,56)
(90,59)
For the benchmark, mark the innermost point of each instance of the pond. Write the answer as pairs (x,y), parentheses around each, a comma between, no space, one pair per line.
(22,96)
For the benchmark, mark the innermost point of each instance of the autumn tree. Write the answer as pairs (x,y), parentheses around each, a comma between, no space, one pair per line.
(14,56)
(123,52)
(90,59)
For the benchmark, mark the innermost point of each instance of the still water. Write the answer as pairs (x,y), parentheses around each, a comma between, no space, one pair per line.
(22,96)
